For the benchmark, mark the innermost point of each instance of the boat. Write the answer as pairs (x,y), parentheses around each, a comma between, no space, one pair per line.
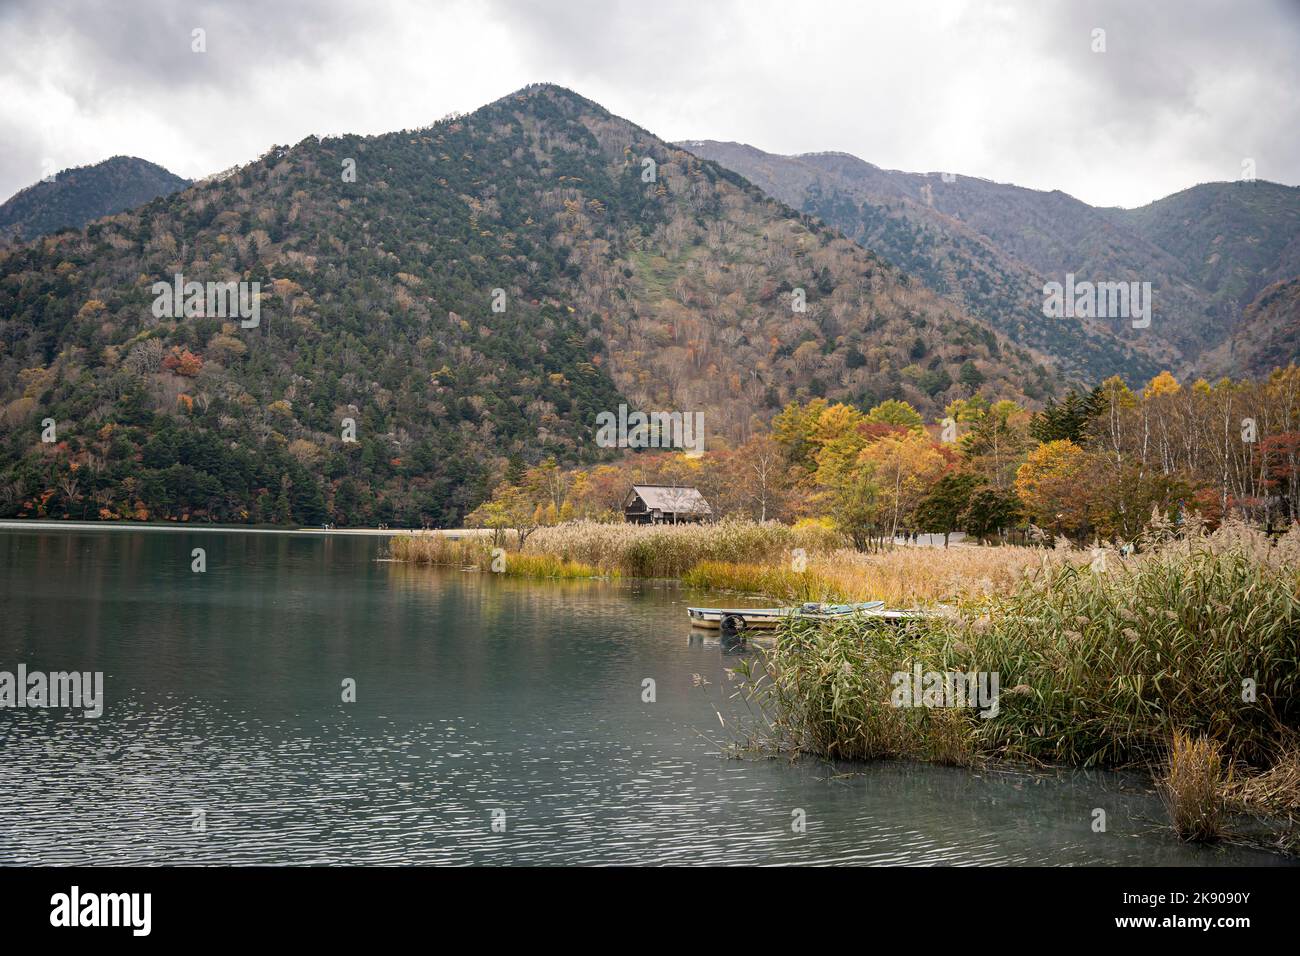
(757,617)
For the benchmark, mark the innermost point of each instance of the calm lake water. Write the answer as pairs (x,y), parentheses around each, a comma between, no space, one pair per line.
(475,694)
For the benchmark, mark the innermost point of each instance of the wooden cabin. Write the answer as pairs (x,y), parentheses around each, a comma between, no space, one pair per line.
(665,504)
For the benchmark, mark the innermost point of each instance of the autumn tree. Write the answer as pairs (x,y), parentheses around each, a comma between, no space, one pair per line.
(760,470)
(1050,484)
(792,429)
(943,508)
(509,508)
(895,412)
(854,503)
(996,440)
(905,465)
(990,511)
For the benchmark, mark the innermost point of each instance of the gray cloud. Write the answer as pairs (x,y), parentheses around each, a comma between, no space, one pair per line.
(1011,91)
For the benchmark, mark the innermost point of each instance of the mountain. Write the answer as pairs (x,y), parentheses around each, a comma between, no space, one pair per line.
(468,296)
(1231,239)
(77,196)
(1206,251)
(1266,337)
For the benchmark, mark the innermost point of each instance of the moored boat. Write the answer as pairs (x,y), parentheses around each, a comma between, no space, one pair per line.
(757,617)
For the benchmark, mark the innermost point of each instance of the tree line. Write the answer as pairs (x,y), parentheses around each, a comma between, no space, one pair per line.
(1093,466)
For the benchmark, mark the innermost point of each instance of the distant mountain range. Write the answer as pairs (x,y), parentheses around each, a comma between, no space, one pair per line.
(1209,253)
(470,295)
(77,196)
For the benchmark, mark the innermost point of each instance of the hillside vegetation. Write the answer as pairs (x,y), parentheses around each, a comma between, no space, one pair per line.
(1207,251)
(76,196)
(470,299)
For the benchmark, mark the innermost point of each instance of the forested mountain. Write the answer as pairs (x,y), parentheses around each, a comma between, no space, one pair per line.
(1266,336)
(469,295)
(1232,239)
(1207,251)
(76,196)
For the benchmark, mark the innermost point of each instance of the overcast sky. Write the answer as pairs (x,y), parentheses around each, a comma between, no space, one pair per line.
(1185,91)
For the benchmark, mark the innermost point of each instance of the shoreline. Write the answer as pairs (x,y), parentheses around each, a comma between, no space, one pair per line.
(19,524)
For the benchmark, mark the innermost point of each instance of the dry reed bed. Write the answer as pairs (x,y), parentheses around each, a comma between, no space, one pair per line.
(651,551)
(803,563)
(1193,788)
(903,577)
(668,551)
(476,554)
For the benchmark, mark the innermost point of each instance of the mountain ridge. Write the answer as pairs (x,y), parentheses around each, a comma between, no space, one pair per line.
(81,194)
(946,252)
(378,306)
(1052,233)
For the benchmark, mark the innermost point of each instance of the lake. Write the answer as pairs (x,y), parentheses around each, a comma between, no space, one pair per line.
(496,720)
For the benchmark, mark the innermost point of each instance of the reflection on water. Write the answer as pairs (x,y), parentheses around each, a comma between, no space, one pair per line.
(474,694)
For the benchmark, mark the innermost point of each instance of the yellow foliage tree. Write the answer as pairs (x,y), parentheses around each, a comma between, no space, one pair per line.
(1050,485)
(1162,384)
(905,466)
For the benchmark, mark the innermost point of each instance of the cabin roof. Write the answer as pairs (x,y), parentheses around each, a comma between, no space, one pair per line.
(673,499)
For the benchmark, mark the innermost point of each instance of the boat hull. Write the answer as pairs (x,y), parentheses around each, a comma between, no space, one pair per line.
(710,618)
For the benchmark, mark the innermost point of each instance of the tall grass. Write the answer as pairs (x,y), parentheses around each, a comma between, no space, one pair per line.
(649,551)
(781,582)
(664,551)
(761,558)
(1276,791)
(476,553)
(826,690)
(903,577)
(1111,664)
(1199,638)
(1193,788)
(437,549)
